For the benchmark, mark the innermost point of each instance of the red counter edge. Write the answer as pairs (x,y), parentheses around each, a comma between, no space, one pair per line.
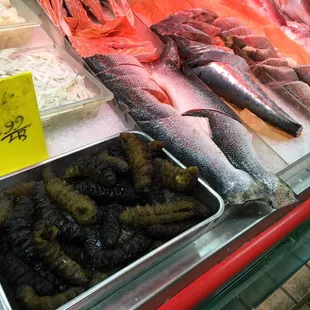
(217,276)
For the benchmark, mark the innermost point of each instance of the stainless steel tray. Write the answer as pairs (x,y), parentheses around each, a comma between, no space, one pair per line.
(106,288)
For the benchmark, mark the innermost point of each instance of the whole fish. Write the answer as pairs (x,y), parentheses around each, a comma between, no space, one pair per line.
(185,90)
(133,87)
(239,88)
(227,75)
(188,139)
(234,141)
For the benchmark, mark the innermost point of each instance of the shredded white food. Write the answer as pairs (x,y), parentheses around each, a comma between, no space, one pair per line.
(55,82)
(8,14)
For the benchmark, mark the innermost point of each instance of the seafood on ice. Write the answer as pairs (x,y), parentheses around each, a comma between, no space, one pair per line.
(181,123)
(97,27)
(217,66)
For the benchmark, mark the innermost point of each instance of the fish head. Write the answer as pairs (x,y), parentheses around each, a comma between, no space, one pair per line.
(170,54)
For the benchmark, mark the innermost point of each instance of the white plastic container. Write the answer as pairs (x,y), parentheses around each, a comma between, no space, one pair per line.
(17,35)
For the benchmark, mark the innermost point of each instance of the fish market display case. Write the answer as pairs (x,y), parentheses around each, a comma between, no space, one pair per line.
(181,274)
(91,297)
(81,109)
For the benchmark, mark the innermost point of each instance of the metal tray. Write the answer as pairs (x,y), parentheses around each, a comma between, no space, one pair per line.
(97,293)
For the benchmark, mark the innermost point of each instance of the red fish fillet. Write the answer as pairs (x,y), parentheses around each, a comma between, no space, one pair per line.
(108,29)
(96,8)
(106,45)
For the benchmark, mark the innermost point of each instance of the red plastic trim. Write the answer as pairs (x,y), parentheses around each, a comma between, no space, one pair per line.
(206,284)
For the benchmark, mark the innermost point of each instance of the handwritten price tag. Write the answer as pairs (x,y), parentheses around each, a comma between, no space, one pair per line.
(22,140)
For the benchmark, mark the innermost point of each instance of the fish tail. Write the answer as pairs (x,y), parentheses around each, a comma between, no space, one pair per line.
(256,192)
(283,195)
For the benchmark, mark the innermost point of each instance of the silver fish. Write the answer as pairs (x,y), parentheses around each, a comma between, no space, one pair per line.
(185,90)
(188,139)
(234,141)
(239,88)
(133,87)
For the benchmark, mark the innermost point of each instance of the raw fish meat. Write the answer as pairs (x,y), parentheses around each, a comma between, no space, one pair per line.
(235,85)
(297,9)
(238,31)
(99,27)
(296,30)
(235,142)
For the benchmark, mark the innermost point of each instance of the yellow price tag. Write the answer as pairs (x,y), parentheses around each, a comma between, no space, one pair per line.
(22,140)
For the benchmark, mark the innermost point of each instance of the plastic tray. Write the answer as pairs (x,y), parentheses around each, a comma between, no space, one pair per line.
(94,295)
(16,35)
(79,109)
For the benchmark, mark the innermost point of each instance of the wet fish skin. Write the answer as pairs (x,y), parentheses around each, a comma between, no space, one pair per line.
(184,30)
(234,141)
(266,74)
(258,54)
(202,15)
(293,92)
(303,73)
(189,142)
(237,31)
(195,54)
(275,62)
(133,88)
(227,23)
(238,88)
(204,27)
(185,90)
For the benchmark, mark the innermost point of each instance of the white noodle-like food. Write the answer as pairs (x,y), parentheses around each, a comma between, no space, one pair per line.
(8,14)
(55,82)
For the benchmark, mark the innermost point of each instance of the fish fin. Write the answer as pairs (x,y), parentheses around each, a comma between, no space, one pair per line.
(283,195)
(257,192)
(206,113)
(170,54)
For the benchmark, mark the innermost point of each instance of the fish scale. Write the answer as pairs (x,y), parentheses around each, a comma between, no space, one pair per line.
(239,89)
(186,91)
(188,139)
(234,141)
